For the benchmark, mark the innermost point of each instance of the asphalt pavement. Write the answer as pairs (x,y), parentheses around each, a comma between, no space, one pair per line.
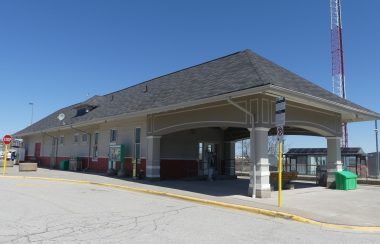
(357,208)
(41,211)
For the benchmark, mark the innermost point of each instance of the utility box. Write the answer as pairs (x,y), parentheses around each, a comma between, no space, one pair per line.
(116,153)
(345,180)
(74,164)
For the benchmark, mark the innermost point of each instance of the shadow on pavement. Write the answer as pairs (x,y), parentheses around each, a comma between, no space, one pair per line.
(218,187)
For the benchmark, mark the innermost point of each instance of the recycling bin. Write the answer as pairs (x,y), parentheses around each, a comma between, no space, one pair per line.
(64,165)
(345,180)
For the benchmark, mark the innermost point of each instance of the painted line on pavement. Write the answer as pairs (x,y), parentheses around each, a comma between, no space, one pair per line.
(266,212)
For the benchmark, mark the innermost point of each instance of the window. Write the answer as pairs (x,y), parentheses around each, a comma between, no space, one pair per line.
(200,151)
(96,138)
(76,138)
(84,137)
(113,135)
(61,140)
(137,143)
(81,111)
(95,148)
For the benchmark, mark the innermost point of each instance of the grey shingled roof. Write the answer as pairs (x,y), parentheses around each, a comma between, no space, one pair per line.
(235,72)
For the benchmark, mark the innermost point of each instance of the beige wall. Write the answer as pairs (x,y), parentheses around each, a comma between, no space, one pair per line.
(126,135)
(184,144)
(223,114)
(181,129)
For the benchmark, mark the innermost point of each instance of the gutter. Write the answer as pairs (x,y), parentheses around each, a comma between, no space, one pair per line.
(268,89)
(253,153)
(302,98)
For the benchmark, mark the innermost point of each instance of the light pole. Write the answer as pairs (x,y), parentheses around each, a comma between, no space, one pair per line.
(377,150)
(31,117)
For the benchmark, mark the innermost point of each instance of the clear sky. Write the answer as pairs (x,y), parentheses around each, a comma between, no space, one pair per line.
(57,53)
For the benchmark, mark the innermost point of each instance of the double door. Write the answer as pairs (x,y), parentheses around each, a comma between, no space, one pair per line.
(208,157)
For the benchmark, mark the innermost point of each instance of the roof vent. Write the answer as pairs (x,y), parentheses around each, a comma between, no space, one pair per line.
(146,89)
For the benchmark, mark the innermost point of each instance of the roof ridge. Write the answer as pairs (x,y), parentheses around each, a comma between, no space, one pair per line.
(262,74)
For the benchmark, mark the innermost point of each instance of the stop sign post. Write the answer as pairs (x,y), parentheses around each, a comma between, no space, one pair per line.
(7,139)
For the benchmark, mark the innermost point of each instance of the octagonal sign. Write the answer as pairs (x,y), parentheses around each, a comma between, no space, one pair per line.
(7,139)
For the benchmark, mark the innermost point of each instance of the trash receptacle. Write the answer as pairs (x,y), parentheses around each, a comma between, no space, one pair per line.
(345,180)
(64,165)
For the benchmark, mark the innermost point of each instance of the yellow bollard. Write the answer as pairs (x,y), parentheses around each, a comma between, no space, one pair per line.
(134,161)
(5,159)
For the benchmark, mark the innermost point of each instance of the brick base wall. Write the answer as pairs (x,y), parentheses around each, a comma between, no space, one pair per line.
(176,169)
(170,169)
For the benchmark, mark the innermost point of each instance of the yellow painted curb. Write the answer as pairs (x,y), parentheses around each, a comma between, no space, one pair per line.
(266,212)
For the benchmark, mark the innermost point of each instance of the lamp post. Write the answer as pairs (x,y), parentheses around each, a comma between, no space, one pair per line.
(377,150)
(31,117)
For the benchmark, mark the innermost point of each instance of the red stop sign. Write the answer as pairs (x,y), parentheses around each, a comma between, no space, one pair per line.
(7,139)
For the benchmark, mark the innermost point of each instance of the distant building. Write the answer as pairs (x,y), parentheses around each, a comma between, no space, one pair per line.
(306,160)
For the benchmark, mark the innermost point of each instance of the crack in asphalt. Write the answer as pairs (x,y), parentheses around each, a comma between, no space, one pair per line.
(83,228)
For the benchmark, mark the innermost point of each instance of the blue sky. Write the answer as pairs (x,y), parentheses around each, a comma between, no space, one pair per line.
(56,53)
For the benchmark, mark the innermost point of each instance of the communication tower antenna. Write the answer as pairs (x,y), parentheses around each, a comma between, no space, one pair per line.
(338,79)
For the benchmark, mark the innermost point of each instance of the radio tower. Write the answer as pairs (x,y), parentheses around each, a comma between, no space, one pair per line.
(339,84)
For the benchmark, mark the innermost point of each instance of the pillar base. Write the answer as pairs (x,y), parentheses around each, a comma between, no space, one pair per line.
(259,193)
(331,185)
(250,191)
(121,173)
(263,193)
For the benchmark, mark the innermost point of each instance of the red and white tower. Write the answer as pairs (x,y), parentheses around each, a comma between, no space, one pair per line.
(339,84)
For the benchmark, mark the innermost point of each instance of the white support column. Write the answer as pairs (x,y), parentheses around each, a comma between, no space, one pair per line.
(259,152)
(334,162)
(229,147)
(153,157)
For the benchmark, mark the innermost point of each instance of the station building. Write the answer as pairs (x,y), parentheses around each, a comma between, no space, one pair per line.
(171,124)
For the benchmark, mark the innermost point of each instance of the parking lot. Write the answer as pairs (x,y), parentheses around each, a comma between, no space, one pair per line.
(41,211)
(358,207)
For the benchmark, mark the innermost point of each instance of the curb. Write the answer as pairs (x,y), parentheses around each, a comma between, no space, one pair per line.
(266,212)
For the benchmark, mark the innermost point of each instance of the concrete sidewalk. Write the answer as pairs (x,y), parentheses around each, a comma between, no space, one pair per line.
(359,208)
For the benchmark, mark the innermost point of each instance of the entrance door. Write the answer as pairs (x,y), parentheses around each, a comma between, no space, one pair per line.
(37,150)
(208,157)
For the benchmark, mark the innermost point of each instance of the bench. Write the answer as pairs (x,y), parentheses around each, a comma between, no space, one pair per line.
(287,177)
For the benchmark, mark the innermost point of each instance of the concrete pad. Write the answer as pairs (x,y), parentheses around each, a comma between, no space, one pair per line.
(27,167)
(9,163)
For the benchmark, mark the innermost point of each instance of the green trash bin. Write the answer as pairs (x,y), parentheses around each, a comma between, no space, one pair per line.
(64,165)
(345,180)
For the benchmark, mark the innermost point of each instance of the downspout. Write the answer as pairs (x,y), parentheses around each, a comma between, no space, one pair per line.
(89,145)
(253,160)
